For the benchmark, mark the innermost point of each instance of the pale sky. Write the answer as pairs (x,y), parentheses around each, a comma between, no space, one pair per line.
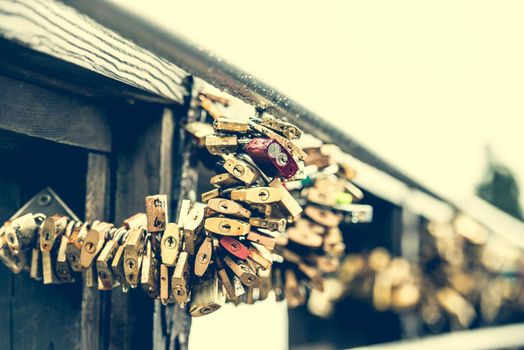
(425,84)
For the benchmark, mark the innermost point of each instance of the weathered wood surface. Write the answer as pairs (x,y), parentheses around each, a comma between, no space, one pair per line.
(52,28)
(143,167)
(94,331)
(30,110)
(37,316)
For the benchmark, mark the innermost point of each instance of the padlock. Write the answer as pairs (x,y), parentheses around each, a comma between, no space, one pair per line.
(192,226)
(333,242)
(322,197)
(170,244)
(291,147)
(224,277)
(208,105)
(230,125)
(242,271)
(288,130)
(226,226)
(207,297)
(133,252)
(266,241)
(93,243)
(303,235)
(257,195)
(277,281)
(63,271)
(36,264)
(269,224)
(104,260)
(157,213)
(137,220)
(207,196)
(180,279)
(224,180)
(240,169)
(234,247)
(219,144)
(258,258)
(200,131)
(74,245)
(272,158)
(215,98)
(263,209)
(166,296)
(117,266)
(295,296)
(52,227)
(20,232)
(323,217)
(203,256)
(287,201)
(228,207)
(48,270)
(150,272)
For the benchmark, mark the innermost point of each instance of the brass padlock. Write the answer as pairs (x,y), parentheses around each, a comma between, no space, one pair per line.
(203,256)
(93,243)
(133,253)
(270,224)
(224,277)
(207,196)
(257,195)
(170,244)
(226,226)
(207,297)
(104,260)
(63,271)
(230,125)
(288,130)
(322,216)
(192,226)
(150,271)
(180,279)
(157,214)
(53,227)
(218,144)
(74,245)
(48,269)
(137,220)
(117,265)
(224,180)
(200,131)
(228,207)
(259,258)
(166,296)
(242,271)
(266,241)
(20,232)
(288,202)
(240,169)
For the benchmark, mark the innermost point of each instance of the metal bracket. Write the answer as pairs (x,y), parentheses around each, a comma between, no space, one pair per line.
(46,202)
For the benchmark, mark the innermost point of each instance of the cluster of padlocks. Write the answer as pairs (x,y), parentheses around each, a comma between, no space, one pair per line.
(248,237)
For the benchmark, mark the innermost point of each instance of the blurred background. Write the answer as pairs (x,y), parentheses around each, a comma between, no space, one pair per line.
(434,88)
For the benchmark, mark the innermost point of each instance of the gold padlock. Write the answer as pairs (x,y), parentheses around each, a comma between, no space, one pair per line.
(53,227)
(224,180)
(230,125)
(288,202)
(203,256)
(192,226)
(200,131)
(270,224)
(137,220)
(74,245)
(257,195)
(63,271)
(133,252)
(207,297)
(228,207)
(150,271)
(240,169)
(288,130)
(170,244)
(104,260)
(218,144)
(157,214)
(20,232)
(166,297)
(48,270)
(180,279)
(242,271)
(226,226)
(207,196)
(266,241)
(258,258)
(93,243)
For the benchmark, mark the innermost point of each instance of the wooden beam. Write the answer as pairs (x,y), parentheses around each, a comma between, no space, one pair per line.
(54,29)
(94,331)
(33,111)
(143,165)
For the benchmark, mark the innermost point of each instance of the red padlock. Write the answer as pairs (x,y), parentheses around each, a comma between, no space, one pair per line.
(271,157)
(234,247)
